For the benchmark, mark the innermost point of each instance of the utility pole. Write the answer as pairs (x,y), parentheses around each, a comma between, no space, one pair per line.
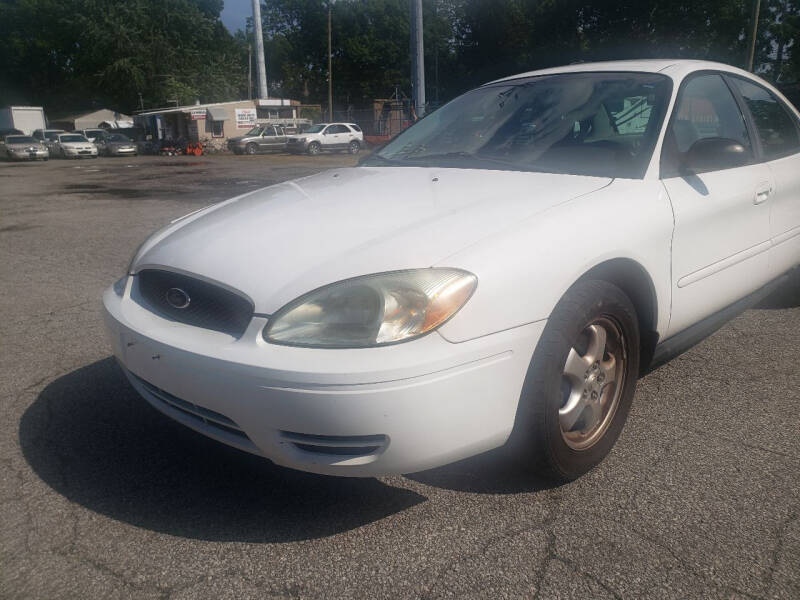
(330,69)
(249,70)
(753,34)
(417,58)
(261,68)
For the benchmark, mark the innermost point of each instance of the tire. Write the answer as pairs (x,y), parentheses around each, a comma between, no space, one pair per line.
(354,147)
(251,149)
(314,148)
(568,369)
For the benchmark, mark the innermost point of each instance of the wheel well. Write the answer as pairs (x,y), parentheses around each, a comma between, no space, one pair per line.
(631,278)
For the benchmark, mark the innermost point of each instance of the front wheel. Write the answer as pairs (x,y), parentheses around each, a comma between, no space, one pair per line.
(251,149)
(314,148)
(580,383)
(354,147)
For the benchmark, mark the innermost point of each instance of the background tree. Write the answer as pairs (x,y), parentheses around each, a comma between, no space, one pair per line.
(75,54)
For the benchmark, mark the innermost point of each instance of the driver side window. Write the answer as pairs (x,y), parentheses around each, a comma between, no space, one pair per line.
(706,108)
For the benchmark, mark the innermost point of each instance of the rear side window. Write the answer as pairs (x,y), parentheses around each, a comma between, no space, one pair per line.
(706,109)
(776,127)
(355,127)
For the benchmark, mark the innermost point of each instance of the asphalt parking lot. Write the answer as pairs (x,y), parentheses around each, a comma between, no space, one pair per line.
(102,497)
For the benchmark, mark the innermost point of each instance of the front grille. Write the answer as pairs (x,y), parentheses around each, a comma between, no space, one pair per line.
(209,306)
(340,445)
(211,419)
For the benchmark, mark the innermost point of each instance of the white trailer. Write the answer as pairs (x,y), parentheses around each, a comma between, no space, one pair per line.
(25,118)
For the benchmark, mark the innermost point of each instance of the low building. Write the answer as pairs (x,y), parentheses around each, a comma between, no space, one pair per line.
(217,122)
(105,118)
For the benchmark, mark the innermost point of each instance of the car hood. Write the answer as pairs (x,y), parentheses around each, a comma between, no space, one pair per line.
(76,144)
(279,242)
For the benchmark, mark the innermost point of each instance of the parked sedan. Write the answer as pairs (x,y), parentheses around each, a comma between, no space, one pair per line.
(499,273)
(93,135)
(9,131)
(115,144)
(73,145)
(23,147)
(47,136)
(262,138)
(328,137)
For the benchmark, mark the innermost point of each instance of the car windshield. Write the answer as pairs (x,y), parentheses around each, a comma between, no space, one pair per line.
(20,139)
(72,138)
(315,128)
(254,131)
(117,137)
(601,124)
(51,135)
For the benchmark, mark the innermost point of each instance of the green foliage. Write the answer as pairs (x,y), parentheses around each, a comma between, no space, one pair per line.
(72,54)
(68,54)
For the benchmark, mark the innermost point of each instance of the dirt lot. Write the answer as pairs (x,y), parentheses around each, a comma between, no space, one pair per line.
(102,497)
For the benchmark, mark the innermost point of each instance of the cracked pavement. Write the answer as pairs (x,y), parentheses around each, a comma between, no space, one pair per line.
(102,497)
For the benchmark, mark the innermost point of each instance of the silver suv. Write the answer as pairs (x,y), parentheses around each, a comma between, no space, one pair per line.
(261,138)
(328,136)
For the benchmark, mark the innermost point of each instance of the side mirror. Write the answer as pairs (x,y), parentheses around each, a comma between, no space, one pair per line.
(715,154)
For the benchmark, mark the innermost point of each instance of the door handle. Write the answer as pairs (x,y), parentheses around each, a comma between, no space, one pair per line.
(762,193)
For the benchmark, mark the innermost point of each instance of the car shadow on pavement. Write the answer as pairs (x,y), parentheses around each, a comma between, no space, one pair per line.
(494,472)
(787,295)
(91,438)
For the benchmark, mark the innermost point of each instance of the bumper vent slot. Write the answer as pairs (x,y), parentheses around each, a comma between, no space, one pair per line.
(350,445)
(194,302)
(210,419)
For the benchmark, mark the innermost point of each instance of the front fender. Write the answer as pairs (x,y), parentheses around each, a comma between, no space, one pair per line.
(523,271)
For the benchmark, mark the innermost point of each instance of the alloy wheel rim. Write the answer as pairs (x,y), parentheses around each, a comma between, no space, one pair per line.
(592,383)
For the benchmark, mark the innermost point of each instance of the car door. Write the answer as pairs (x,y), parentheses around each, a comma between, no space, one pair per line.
(328,137)
(336,137)
(267,140)
(280,139)
(777,128)
(721,239)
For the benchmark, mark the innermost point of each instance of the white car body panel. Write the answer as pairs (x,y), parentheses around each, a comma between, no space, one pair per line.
(784,207)
(530,280)
(701,242)
(721,242)
(327,244)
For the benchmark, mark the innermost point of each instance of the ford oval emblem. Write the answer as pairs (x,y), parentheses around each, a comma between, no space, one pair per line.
(177,298)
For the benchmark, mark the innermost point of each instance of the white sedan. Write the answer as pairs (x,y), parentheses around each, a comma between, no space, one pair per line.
(501,272)
(73,145)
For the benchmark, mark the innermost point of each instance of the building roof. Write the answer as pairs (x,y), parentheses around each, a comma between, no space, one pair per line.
(83,115)
(190,107)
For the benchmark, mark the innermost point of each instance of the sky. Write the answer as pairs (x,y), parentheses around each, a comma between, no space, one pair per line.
(235,12)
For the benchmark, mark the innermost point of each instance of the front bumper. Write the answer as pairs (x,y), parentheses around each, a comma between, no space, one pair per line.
(74,153)
(362,412)
(129,151)
(28,155)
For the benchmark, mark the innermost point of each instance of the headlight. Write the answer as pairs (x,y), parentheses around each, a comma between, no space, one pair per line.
(373,310)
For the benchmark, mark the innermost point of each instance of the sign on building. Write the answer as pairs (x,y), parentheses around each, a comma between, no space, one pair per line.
(245,118)
(198,113)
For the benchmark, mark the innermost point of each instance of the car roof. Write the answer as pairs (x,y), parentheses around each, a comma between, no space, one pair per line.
(673,67)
